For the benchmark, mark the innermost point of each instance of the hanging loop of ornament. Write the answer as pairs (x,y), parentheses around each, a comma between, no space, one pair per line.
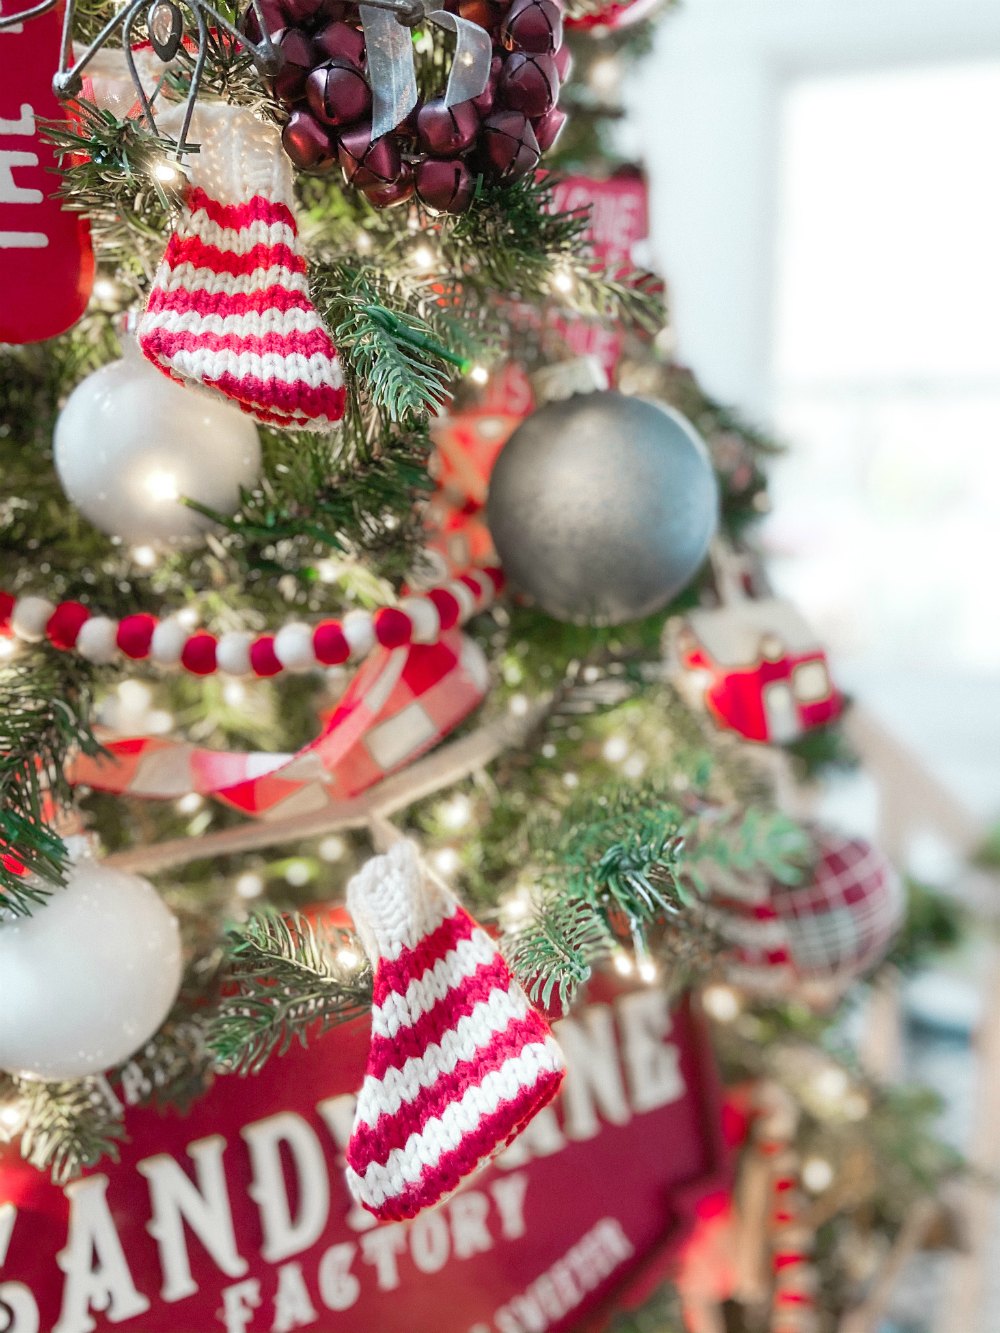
(166,32)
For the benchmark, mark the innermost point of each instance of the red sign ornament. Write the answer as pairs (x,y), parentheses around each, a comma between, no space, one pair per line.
(237,1218)
(46,263)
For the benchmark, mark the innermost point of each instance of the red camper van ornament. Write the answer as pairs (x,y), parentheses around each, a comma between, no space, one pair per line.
(758,667)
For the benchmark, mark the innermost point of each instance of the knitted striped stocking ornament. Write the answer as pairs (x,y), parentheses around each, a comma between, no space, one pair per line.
(230,308)
(459,1060)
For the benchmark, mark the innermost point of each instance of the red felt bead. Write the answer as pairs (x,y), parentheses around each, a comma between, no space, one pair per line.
(444,130)
(366,163)
(308,143)
(263,658)
(396,192)
(135,634)
(64,624)
(447,605)
(329,644)
(495,575)
(548,128)
(393,628)
(529,83)
(444,186)
(338,93)
(198,654)
(340,41)
(533,25)
(472,584)
(297,58)
(7,604)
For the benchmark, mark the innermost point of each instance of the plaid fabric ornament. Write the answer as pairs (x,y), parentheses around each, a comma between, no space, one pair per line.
(230,307)
(459,1060)
(829,930)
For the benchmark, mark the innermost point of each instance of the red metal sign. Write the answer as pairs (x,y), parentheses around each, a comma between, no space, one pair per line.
(236,1217)
(46,262)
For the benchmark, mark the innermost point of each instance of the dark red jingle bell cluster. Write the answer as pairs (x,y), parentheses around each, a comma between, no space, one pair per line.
(437,152)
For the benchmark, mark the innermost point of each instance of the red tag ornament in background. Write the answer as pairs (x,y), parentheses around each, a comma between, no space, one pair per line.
(237,1219)
(46,263)
(619,219)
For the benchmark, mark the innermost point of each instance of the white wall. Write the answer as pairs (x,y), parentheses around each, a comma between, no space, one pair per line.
(705,114)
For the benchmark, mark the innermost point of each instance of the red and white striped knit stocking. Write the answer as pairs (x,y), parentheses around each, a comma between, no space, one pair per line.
(459,1060)
(230,308)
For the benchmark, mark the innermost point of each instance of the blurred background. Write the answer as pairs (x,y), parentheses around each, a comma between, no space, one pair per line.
(826,208)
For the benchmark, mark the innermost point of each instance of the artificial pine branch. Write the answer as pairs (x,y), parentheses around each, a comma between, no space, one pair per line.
(555,947)
(282,983)
(69,1126)
(45,703)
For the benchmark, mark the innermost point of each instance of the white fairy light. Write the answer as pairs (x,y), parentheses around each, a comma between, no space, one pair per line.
(8,647)
(817,1174)
(623,963)
(516,907)
(249,885)
(518,705)
(166,172)
(423,257)
(447,860)
(234,692)
(348,959)
(144,556)
(298,873)
(479,375)
(831,1083)
(106,289)
(332,848)
(605,76)
(634,766)
(720,1003)
(562,280)
(615,748)
(187,616)
(456,813)
(190,804)
(648,971)
(363,243)
(571,779)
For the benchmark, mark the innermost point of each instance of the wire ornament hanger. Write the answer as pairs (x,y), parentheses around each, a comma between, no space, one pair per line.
(165,25)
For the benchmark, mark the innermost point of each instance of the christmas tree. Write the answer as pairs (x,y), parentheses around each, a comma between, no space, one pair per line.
(398,737)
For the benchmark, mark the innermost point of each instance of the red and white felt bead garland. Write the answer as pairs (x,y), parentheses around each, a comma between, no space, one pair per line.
(170,642)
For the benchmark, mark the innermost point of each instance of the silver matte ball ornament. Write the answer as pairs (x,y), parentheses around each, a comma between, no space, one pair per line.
(602,507)
(130,443)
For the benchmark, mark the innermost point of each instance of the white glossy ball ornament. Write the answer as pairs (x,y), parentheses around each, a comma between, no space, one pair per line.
(89,977)
(130,443)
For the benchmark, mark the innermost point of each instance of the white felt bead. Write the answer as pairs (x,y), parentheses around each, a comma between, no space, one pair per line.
(29,618)
(232,653)
(168,642)
(466,600)
(293,647)
(359,632)
(98,639)
(424,615)
(484,582)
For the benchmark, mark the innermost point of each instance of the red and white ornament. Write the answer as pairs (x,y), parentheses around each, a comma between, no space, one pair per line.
(757,667)
(46,260)
(459,1061)
(823,933)
(230,307)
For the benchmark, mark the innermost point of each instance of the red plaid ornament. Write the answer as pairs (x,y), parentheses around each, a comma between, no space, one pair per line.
(459,1060)
(831,929)
(230,307)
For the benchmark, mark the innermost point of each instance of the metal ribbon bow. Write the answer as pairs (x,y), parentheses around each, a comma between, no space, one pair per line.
(391,71)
